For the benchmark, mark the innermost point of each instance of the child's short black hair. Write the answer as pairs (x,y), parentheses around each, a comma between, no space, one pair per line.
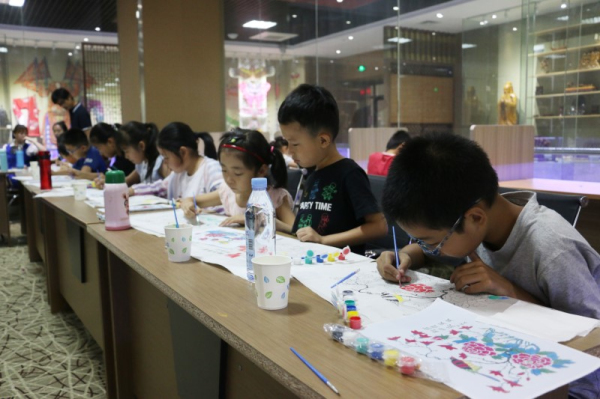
(255,151)
(75,138)
(397,138)
(313,107)
(436,178)
(60,145)
(176,135)
(19,129)
(60,94)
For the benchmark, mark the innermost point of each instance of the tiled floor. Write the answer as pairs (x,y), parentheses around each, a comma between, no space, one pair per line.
(41,355)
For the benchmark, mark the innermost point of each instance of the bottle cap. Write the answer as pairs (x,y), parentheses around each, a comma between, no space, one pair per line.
(115,177)
(355,323)
(44,154)
(259,183)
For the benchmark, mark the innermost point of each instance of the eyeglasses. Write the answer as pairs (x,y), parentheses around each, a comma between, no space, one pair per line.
(438,248)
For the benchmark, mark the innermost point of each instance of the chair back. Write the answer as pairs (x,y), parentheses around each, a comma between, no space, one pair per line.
(294,176)
(386,242)
(567,206)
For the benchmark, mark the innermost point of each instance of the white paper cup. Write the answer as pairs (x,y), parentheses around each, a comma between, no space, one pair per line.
(179,242)
(272,281)
(79,190)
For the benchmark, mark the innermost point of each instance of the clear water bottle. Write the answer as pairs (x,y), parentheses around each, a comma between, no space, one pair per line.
(260,224)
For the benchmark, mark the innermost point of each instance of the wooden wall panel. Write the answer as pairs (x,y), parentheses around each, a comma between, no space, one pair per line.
(424,99)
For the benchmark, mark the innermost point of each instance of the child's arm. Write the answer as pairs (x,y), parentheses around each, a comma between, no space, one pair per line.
(409,256)
(202,200)
(374,226)
(132,178)
(84,173)
(285,217)
(477,277)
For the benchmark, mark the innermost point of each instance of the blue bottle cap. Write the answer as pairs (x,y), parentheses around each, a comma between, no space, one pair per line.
(259,183)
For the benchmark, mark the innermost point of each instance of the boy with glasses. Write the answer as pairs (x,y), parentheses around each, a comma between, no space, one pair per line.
(443,192)
(88,161)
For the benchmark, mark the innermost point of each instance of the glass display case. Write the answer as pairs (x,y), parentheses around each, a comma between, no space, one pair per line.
(563,76)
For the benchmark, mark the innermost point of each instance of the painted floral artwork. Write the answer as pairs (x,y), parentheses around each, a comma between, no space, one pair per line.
(479,359)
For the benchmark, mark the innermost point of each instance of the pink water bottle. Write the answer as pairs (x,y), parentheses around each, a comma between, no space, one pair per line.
(116,201)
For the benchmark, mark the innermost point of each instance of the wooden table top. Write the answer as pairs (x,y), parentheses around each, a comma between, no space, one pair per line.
(589,189)
(226,304)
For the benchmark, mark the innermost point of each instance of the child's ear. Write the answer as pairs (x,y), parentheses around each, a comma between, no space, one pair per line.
(142,146)
(263,171)
(324,139)
(476,217)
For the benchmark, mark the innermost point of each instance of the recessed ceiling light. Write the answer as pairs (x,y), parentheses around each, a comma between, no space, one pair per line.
(468,45)
(514,28)
(77,47)
(16,3)
(402,40)
(294,16)
(494,16)
(339,1)
(348,22)
(85,39)
(396,8)
(484,22)
(350,37)
(563,5)
(254,24)
(97,29)
(331,61)
(70,54)
(432,33)
(338,51)
(377,68)
(3,50)
(439,15)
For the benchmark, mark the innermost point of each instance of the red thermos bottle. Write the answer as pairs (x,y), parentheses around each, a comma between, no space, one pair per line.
(45,171)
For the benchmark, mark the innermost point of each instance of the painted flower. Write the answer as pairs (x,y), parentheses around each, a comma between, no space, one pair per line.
(475,348)
(422,288)
(531,361)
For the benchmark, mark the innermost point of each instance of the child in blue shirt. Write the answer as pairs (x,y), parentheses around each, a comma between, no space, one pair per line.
(21,142)
(89,161)
(337,207)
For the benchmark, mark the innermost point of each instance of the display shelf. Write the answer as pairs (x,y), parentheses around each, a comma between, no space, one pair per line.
(565,50)
(567,72)
(567,116)
(563,28)
(577,93)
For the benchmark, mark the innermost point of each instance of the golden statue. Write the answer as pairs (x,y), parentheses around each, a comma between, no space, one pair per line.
(507,106)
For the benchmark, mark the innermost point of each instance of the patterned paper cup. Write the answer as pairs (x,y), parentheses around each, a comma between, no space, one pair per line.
(272,274)
(79,190)
(179,242)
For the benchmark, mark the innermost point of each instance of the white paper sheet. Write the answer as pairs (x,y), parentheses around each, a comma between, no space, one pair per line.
(543,322)
(66,191)
(57,181)
(154,222)
(481,360)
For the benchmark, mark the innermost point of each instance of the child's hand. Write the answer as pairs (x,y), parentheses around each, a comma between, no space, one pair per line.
(239,219)
(309,234)
(65,167)
(99,182)
(477,277)
(189,210)
(387,269)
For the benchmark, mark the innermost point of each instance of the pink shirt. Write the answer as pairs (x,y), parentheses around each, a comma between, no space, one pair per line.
(233,209)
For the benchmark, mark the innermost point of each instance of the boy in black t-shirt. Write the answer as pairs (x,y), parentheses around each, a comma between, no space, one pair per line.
(337,207)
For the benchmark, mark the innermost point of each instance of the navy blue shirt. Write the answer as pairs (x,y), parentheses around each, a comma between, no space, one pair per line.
(80,117)
(93,159)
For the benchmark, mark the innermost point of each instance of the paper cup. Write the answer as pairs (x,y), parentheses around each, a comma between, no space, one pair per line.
(179,242)
(79,190)
(272,281)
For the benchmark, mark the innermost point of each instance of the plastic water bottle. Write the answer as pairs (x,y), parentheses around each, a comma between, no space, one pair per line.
(3,160)
(260,224)
(20,159)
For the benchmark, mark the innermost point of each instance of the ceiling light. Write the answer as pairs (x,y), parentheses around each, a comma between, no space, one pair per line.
(563,5)
(514,28)
(331,61)
(254,24)
(70,54)
(294,16)
(396,8)
(339,1)
(432,33)
(439,15)
(485,22)
(77,47)
(97,29)
(348,22)
(85,39)
(338,51)
(468,45)
(565,18)
(494,16)
(350,37)
(402,40)
(16,3)
(377,68)
(3,50)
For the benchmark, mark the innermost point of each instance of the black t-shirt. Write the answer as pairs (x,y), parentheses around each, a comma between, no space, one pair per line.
(337,199)
(121,163)
(80,117)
